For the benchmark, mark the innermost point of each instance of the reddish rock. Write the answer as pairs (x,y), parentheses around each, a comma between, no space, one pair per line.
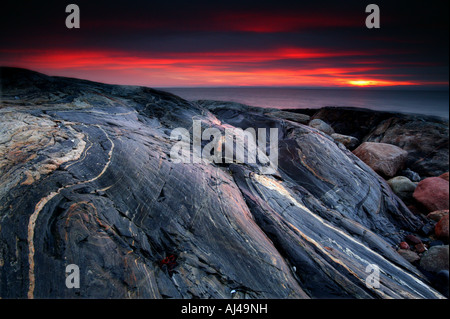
(420,248)
(437,215)
(441,228)
(444,176)
(413,240)
(432,193)
(403,245)
(385,159)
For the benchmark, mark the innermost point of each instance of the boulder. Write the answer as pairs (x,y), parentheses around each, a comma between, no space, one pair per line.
(435,259)
(437,215)
(436,243)
(432,193)
(403,245)
(385,159)
(349,142)
(402,187)
(412,176)
(413,240)
(441,228)
(321,126)
(409,255)
(420,248)
(444,176)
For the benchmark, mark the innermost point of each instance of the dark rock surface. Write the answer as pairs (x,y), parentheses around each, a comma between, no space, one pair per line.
(87,179)
(425,138)
(321,126)
(435,259)
(349,142)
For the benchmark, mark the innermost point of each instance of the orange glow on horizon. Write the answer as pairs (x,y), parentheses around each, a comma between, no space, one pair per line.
(234,68)
(367,83)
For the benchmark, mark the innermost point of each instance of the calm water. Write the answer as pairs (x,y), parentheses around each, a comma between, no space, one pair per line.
(422,102)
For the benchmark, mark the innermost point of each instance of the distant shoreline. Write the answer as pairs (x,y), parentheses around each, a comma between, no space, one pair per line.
(434,103)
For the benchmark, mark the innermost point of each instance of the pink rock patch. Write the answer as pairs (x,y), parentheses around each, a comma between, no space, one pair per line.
(385,159)
(432,193)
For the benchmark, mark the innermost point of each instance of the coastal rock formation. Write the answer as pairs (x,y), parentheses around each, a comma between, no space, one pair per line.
(321,126)
(435,259)
(349,142)
(385,159)
(425,138)
(296,117)
(87,178)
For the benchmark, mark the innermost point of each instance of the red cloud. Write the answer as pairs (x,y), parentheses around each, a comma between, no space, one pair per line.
(254,68)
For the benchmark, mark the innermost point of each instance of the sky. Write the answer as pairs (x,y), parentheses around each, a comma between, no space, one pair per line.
(219,43)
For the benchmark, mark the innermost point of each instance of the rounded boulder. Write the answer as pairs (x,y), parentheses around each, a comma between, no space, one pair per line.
(432,193)
(385,159)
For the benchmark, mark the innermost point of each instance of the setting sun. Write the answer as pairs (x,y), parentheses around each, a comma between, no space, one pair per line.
(362,83)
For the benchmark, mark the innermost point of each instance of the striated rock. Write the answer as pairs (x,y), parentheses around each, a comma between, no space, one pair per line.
(286,115)
(402,187)
(409,255)
(437,215)
(385,159)
(110,199)
(349,142)
(444,176)
(432,193)
(321,126)
(435,259)
(441,229)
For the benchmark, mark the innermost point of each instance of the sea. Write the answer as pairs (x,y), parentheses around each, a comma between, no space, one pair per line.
(404,101)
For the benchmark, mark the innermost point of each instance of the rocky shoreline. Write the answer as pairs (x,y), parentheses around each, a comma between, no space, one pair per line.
(87,179)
